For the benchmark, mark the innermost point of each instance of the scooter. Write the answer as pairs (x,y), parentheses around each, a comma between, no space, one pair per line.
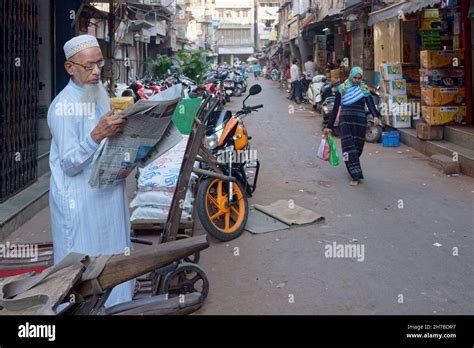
(314,91)
(275,74)
(222,205)
(374,131)
(327,95)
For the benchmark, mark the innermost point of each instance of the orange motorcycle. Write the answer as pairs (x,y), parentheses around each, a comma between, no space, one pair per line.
(222,199)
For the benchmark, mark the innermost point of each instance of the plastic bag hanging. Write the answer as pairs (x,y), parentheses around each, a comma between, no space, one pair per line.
(324,151)
(334,157)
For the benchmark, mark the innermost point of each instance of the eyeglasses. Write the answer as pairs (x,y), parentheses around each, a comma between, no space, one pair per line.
(90,66)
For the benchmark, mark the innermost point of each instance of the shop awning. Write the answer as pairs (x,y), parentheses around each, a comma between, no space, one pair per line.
(276,51)
(393,10)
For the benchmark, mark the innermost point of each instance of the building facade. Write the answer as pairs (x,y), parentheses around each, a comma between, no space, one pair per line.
(267,18)
(235,32)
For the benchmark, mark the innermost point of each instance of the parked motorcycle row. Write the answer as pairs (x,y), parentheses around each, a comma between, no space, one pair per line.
(222,206)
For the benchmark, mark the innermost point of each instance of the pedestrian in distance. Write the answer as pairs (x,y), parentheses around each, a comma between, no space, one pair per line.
(256,70)
(297,94)
(352,97)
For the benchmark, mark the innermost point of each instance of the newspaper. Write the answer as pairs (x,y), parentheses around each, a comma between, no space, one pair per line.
(148,128)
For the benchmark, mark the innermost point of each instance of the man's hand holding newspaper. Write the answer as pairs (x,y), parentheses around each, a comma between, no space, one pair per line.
(148,126)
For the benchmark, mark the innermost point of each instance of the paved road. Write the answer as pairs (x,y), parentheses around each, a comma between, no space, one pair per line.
(286,272)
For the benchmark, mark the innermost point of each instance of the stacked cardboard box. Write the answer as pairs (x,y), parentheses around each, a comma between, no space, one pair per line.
(442,87)
(394,96)
(411,73)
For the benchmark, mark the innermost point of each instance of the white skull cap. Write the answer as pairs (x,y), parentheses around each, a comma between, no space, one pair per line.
(78,44)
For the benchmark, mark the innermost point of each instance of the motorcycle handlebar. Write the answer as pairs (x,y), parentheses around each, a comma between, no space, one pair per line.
(255,107)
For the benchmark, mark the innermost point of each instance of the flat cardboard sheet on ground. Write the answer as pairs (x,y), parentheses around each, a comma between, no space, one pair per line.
(295,215)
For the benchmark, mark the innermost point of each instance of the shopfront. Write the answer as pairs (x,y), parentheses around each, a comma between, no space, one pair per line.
(428,39)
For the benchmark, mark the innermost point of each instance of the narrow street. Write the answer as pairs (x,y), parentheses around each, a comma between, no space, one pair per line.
(286,272)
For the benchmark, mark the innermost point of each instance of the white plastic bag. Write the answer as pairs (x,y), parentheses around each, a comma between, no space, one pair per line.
(322,145)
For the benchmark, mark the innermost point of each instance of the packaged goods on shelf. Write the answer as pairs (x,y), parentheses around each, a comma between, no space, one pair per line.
(411,74)
(430,24)
(451,77)
(431,13)
(413,90)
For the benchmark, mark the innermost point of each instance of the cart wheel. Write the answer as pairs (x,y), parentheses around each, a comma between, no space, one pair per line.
(136,288)
(194,258)
(185,279)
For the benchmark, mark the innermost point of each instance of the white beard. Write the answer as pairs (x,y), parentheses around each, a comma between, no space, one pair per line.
(96,95)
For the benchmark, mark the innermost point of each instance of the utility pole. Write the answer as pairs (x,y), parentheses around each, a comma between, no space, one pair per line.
(255,15)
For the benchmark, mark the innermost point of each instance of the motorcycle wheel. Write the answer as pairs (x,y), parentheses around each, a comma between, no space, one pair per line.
(227,98)
(237,92)
(221,222)
(373,134)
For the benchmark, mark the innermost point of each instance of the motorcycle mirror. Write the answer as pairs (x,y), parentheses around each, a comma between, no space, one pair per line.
(255,89)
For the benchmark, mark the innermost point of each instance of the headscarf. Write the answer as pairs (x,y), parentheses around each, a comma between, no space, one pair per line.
(351,93)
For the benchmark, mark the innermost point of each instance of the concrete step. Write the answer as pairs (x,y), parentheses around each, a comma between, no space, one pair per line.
(17,210)
(464,155)
(462,136)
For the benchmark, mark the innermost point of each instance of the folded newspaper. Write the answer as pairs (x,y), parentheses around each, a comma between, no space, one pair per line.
(148,130)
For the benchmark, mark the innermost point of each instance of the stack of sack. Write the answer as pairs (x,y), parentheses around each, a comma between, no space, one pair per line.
(156,185)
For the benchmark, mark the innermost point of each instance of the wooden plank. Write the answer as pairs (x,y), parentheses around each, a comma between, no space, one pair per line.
(16,277)
(159,224)
(121,268)
(57,285)
(192,149)
(173,306)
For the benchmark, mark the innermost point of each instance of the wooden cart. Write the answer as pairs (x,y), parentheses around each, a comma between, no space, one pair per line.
(170,266)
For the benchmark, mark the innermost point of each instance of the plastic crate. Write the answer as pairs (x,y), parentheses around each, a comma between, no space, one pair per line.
(391,139)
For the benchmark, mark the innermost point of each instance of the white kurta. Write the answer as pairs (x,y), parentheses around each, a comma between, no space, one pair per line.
(83,219)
